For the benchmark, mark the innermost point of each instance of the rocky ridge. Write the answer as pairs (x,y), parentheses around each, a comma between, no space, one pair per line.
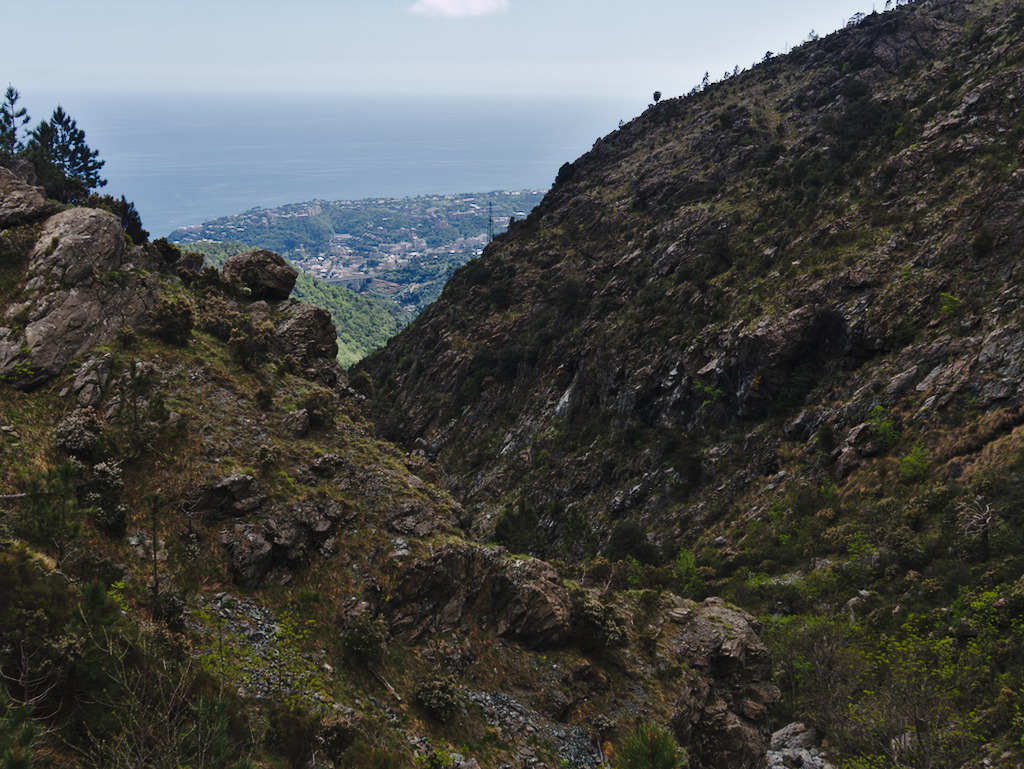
(770,331)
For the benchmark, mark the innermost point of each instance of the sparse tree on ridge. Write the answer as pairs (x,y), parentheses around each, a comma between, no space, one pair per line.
(12,119)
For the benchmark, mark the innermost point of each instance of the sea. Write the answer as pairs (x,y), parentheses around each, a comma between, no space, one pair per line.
(187,159)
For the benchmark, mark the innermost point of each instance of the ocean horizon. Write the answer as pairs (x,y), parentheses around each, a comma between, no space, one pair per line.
(184,160)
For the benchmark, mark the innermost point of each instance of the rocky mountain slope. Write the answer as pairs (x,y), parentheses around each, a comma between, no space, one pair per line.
(768,336)
(208,558)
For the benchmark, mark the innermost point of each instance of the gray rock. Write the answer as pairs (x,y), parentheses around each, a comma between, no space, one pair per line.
(78,244)
(252,556)
(91,380)
(721,716)
(523,598)
(78,294)
(234,495)
(296,423)
(264,274)
(795,736)
(21,202)
(796,745)
(306,332)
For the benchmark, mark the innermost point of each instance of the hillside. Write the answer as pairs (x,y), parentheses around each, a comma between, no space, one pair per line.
(209,559)
(769,336)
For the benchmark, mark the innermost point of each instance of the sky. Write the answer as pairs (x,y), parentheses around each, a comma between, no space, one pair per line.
(586,48)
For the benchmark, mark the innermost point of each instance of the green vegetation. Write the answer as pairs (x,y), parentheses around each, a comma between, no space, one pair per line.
(649,746)
(67,168)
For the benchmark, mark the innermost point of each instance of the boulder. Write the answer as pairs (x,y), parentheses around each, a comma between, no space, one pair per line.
(796,745)
(523,599)
(251,555)
(77,244)
(264,274)
(20,202)
(296,423)
(306,332)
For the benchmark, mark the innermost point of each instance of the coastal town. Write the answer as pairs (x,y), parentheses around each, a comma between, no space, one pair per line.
(401,248)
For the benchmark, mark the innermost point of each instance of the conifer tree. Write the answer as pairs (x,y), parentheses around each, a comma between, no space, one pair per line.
(65,164)
(12,119)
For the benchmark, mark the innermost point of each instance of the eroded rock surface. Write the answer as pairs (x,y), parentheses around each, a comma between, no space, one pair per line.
(20,202)
(523,599)
(265,274)
(722,714)
(83,284)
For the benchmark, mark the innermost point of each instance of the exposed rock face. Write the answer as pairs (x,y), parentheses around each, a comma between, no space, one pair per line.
(723,714)
(77,244)
(83,284)
(524,599)
(796,745)
(288,539)
(229,497)
(265,274)
(307,332)
(20,202)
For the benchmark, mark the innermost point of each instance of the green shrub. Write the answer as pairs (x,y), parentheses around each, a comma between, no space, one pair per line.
(629,540)
(293,734)
(596,624)
(78,435)
(18,734)
(250,341)
(688,582)
(439,696)
(914,466)
(364,640)
(322,406)
(884,429)
(172,320)
(649,746)
(518,529)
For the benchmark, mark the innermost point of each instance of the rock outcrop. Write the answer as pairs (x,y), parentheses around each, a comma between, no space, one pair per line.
(82,285)
(522,599)
(305,332)
(20,202)
(263,274)
(230,497)
(288,539)
(723,713)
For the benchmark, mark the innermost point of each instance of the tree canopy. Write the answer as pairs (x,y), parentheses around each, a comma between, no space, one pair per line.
(65,164)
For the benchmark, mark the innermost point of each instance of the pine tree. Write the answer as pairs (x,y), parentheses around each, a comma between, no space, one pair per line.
(12,120)
(65,164)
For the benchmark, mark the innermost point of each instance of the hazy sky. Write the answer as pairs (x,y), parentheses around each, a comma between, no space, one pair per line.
(583,47)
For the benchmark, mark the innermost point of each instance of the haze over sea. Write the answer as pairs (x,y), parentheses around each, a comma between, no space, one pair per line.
(187,159)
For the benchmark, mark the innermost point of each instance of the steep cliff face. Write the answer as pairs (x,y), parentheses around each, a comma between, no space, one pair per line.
(775,324)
